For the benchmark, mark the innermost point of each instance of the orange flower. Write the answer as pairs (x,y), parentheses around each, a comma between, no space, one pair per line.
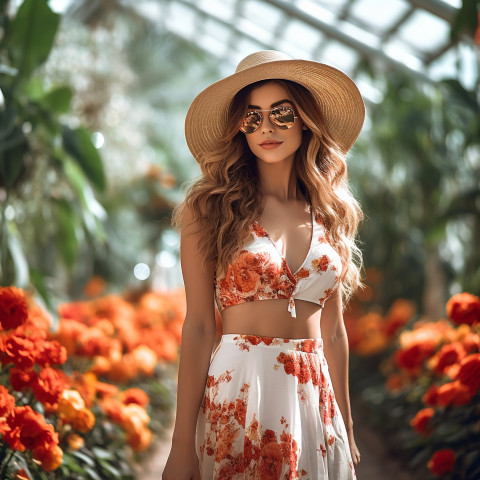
(13,308)
(28,429)
(464,308)
(448,355)
(95,286)
(50,458)
(18,350)
(49,385)
(75,441)
(442,462)
(113,408)
(146,359)
(134,418)
(471,342)
(469,373)
(140,440)
(105,390)
(68,334)
(51,353)
(421,421)
(7,404)
(83,421)
(399,314)
(69,404)
(453,393)
(134,395)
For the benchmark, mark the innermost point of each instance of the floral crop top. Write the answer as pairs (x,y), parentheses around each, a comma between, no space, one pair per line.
(259,272)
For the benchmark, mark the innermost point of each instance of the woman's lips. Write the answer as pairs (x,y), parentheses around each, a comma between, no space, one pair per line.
(270,145)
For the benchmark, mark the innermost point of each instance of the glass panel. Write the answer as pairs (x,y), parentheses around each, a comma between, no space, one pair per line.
(181,19)
(301,34)
(424,30)
(253,30)
(262,14)
(339,56)
(219,8)
(381,15)
(401,52)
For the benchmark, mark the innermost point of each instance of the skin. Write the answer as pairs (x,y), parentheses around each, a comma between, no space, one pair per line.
(286,218)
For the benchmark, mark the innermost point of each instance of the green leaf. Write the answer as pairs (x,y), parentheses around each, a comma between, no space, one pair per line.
(102,453)
(92,473)
(31,35)
(78,144)
(67,231)
(84,457)
(108,468)
(58,100)
(19,261)
(12,151)
(466,19)
(37,280)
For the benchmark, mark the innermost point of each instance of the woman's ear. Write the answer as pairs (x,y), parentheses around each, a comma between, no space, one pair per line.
(304,127)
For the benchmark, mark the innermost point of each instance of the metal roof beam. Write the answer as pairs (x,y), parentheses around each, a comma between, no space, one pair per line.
(331,31)
(436,7)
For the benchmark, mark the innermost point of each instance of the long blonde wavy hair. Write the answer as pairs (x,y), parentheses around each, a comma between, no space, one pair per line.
(226,199)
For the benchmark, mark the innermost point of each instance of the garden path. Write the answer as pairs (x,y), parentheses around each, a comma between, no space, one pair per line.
(376,463)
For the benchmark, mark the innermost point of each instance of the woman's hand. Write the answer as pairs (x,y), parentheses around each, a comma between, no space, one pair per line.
(182,464)
(353,447)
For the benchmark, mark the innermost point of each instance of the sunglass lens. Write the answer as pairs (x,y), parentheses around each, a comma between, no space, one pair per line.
(251,122)
(283,117)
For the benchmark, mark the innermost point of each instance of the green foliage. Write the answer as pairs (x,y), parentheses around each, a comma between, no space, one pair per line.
(47,169)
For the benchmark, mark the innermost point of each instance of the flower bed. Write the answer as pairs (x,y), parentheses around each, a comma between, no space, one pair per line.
(71,406)
(425,396)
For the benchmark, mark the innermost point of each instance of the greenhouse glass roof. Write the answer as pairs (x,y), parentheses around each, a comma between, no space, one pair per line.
(408,35)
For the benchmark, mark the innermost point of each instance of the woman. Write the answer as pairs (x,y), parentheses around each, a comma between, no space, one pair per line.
(268,231)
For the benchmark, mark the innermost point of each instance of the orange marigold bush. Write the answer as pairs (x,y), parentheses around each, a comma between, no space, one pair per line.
(47,406)
(438,364)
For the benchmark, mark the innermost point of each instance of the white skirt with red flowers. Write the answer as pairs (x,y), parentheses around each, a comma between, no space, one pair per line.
(269,412)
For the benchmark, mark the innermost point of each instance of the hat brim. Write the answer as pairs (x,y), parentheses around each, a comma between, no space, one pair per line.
(337,97)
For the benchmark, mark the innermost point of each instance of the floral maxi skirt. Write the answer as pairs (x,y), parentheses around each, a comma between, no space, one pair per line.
(269,412)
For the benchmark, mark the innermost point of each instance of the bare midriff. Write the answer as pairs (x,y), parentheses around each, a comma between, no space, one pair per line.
(270,318)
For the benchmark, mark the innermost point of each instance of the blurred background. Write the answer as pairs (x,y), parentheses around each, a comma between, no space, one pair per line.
(93,96)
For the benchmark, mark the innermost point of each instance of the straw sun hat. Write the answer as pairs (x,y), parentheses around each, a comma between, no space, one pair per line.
(336,95)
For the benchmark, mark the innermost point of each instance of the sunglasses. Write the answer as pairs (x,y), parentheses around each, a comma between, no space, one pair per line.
(282,117)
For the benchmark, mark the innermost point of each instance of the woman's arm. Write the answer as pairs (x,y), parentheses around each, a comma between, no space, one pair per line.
(335,342)
(198,336)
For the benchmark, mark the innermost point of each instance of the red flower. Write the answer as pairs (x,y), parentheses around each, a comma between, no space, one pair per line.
(49,385)
(448,355)
(18,350)
(421,421)
(455,393)
(430,396)
(464,308)
(412,357)
(51,353)
(13,307)
(442,462)
(28,430)
(21,379)
(469,373)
